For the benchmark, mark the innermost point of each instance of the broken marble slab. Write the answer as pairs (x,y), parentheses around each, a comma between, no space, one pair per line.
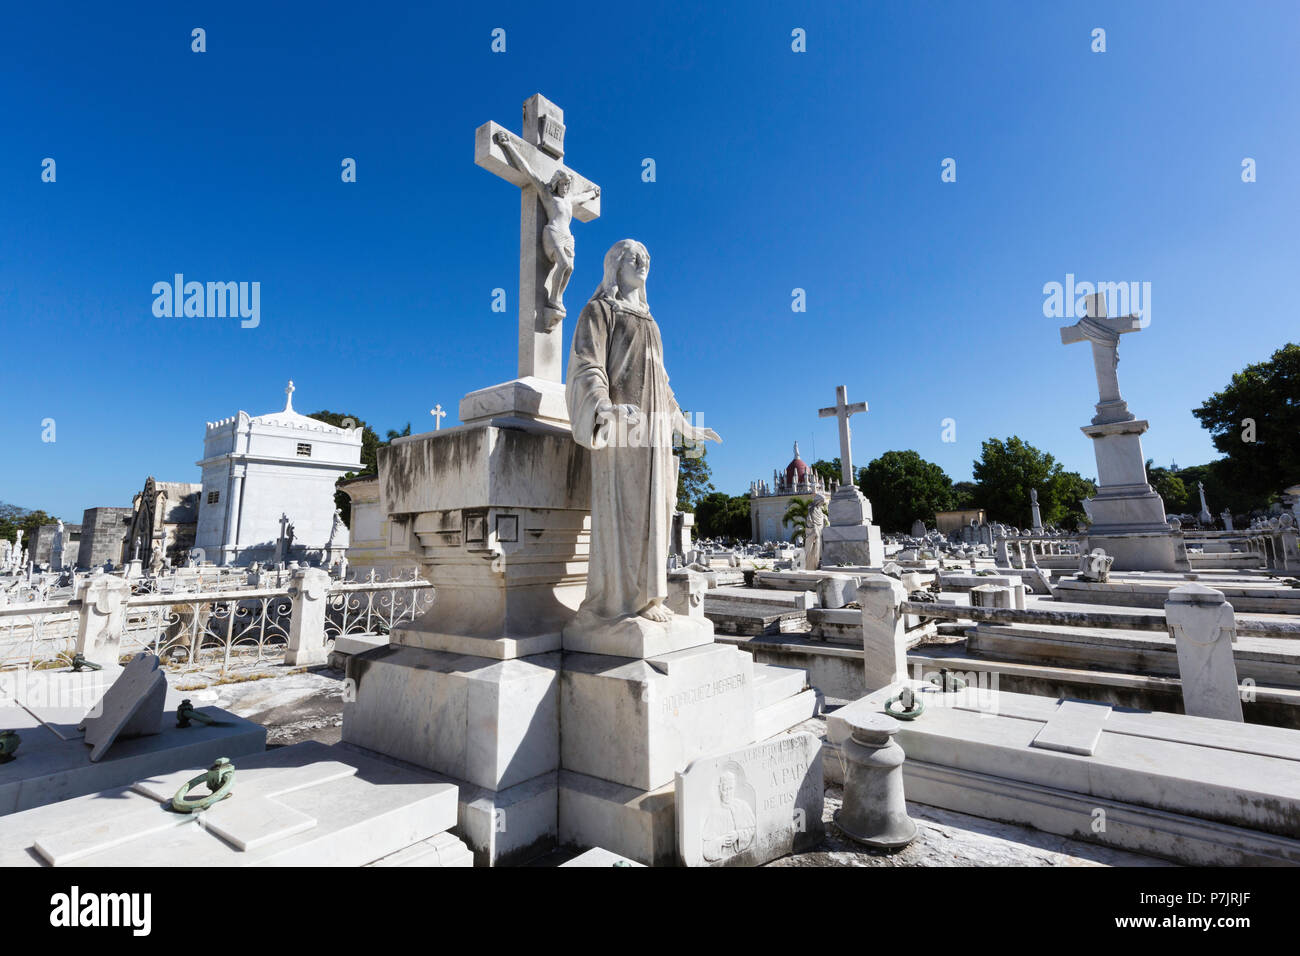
(53,764)
(132,706)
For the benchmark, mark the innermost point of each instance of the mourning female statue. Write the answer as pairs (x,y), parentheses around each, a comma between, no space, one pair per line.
(557,238)
(623,410)
(812,535)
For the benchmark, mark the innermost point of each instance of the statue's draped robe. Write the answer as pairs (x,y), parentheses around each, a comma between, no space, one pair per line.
(812,537)
(618,357)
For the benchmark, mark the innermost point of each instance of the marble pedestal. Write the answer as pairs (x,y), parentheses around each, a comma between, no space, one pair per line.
(495,514)
(496,518)
(638,722)
(1128,517)
(491,727)
(851,538)
(629,726)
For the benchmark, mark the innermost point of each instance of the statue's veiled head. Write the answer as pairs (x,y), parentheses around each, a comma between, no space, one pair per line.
(627,265)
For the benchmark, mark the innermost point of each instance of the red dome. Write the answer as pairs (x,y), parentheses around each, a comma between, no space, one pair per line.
(796,473)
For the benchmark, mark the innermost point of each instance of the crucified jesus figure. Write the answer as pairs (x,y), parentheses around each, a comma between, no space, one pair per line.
(557,239)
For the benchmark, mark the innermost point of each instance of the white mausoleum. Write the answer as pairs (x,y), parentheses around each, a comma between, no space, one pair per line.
(270,477)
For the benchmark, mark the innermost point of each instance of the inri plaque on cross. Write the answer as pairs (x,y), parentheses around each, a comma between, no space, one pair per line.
(534,163)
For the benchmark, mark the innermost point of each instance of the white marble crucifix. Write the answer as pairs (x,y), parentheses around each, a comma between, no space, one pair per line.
(843,410)
(1104,335)
(438,415)
(535,162)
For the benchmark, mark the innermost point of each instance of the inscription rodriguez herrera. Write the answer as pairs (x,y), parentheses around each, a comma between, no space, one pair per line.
(695,695)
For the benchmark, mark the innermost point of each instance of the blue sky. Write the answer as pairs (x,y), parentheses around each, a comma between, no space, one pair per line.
(775,170)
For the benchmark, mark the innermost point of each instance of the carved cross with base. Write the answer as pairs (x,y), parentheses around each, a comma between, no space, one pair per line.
(541,344)
(843,410)
(1104,335)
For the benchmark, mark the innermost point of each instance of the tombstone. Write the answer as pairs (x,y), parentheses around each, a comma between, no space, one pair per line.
(1034,512)
(1226,518)
(751,805)
(918,528)
(132,707)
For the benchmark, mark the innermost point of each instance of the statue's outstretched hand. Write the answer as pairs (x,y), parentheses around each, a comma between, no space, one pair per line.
(608,412)
(707,434)
(501,137)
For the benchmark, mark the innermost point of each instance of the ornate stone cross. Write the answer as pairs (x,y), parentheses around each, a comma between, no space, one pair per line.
(540,153)
(1104,335)
(438,415)
(843,410)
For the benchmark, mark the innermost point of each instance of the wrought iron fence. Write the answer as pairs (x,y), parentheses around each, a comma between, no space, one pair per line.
(229,632)
(37,635)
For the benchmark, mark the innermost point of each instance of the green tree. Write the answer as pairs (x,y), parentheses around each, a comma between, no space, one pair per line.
(1068,490)
(1169,487)
(796,517)
(904,487)
(829,470)
(720,515)
(12,518)
(963,495)
(1008,470)
(370,445)
(693,475)
(1255,420)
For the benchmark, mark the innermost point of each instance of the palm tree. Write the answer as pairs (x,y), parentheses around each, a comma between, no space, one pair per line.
(796,516)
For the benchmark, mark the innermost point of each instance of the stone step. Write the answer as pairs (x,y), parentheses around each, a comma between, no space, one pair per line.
(740,617)
(443,850)
(781,716)
(798,600)
(773,683)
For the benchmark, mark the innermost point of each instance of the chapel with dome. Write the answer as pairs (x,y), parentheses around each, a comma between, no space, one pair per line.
(768,502)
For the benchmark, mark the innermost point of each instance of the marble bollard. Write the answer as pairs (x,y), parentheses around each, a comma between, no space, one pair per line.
(874,810)
(1202,625)
(308,587)
(884,637)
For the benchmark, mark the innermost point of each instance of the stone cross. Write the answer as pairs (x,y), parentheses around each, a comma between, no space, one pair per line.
(843,410)
(1204,517)
(541,343)
(438,415)
(1104,335)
